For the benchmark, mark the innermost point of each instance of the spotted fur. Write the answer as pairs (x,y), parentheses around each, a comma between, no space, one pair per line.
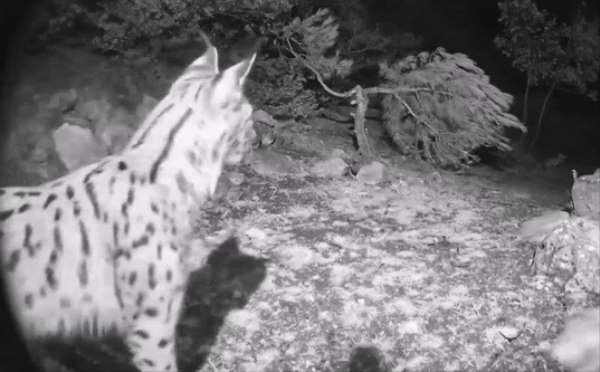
(103,248)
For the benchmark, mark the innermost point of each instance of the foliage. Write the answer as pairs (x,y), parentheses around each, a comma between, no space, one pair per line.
(277,83)
(448,108)
(280,83)
(438,106)
(118,25)
(311,38)
(580,64)
(548,52)
(278,87)
(537,44)
(530,38)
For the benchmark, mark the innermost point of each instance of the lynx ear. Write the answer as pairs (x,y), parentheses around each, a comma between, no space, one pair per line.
(228,85)
(209,60)
(242,69)
(235,76)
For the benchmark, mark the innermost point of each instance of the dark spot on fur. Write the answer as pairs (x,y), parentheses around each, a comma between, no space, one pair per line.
(154,208)
(22,194)
(97,170)
(191,157)
(91,193)
(151,312)
(85,241)
(130,195)
(143,240)
(182,183)
(173,247)
(163,342)
(27,240)
(104,217)
(28,300)
(82,274)
(148,362)
(57,214)
(76,209)
(119,295)
(132,178)
(150,229)
(6,214)
(13,260)
(49,200)
(50,277)
(115,228)
(139,299)
(64,303)
(58,242)
(70,192)
(43,292)
(24,208)
(53,256)
(151,276)
(122,166)
(122,252)
(132,278)
(128,202)
(169,275)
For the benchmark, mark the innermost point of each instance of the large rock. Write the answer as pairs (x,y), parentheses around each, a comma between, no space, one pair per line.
(578,347)
(77,146)
(30,151)
(570,255)
(586,195)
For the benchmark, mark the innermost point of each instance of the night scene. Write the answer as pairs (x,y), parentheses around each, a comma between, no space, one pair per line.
(300,186)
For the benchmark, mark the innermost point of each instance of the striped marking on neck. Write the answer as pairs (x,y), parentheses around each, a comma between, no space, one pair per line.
(168,145)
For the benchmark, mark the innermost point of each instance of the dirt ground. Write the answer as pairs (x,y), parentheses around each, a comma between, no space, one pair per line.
(421,272)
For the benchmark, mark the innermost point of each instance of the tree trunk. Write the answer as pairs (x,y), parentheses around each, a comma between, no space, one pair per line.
(526,98)
(538,127)
(525,107)
(362,102)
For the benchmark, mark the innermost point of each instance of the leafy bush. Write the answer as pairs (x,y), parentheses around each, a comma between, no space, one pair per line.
(277,85)
(446,109)
(119,25)
(549,52)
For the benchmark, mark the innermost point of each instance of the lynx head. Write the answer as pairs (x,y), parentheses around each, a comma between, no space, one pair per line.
(220,116)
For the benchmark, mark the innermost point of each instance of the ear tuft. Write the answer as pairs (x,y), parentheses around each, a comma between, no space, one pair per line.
(231,80)
(209,59)
(238,73)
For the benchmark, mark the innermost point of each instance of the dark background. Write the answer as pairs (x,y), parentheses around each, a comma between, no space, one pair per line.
(572,124)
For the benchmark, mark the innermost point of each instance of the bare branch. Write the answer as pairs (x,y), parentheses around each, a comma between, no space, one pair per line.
(346,94)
